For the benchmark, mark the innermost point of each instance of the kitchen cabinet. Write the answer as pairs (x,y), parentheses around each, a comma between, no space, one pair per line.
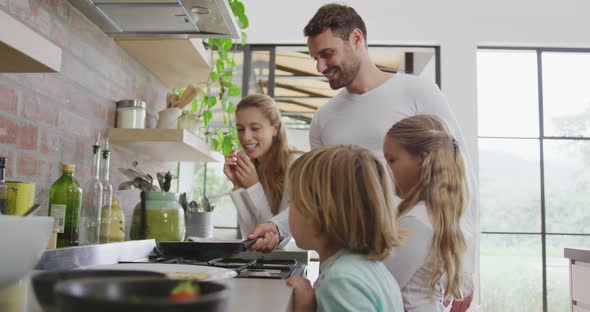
(163,144)
(579,279)
(22,50)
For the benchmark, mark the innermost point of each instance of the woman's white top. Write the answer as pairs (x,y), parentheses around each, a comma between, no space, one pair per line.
(411,263)
(254,208)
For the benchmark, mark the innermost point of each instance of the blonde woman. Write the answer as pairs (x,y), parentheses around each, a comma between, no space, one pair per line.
(258,173)
(342,206)
(430,180)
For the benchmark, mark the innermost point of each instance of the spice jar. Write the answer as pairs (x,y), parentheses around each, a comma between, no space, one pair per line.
(130,114)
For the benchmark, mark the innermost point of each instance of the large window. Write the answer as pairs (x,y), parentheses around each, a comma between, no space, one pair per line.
(534,126)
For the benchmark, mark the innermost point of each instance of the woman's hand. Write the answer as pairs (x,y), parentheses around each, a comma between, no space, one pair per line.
(229,168)
(303,294)
(245,171)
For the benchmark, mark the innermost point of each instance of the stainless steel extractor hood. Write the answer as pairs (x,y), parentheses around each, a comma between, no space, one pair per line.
(161,18)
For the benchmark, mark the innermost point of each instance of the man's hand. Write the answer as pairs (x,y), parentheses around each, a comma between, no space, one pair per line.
(245,171)
(303,294)
(270,232)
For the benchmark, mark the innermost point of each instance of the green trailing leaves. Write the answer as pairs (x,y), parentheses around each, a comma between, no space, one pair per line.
(234,90)
(222,68)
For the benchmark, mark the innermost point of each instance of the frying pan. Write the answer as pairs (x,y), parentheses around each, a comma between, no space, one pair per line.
(44,282)
(148,294)
(203,251)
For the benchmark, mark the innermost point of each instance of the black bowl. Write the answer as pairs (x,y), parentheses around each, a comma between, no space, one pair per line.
(43,283)
(136,294)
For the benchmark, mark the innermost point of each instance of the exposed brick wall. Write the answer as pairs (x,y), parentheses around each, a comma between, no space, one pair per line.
(46,119)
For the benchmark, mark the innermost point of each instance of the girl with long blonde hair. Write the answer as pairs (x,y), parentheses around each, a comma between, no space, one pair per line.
(258,171)
(429,177)
(342,206)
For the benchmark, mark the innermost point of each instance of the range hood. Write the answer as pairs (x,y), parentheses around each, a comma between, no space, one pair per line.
(128,19)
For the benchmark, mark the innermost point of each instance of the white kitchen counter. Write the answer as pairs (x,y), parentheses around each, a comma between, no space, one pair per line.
(246,295)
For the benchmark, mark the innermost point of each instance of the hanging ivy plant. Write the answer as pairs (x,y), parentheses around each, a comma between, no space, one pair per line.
(221,72)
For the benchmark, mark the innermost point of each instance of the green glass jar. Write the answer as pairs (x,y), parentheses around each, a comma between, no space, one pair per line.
(164,218)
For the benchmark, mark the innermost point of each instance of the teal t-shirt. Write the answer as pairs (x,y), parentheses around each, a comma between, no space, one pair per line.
(351,282)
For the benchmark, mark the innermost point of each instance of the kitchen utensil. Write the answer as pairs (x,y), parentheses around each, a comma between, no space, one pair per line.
(205,205)
(183,202)
(189,94)
(167,181)
(130,173)
(139,170)
(160,176)
(136,295)
(44,282)
(204,250)
(31,210)
(128,185)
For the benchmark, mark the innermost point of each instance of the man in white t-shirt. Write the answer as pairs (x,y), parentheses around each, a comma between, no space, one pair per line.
(370,102)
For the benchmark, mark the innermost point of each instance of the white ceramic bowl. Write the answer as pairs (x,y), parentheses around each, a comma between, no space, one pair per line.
(22,242)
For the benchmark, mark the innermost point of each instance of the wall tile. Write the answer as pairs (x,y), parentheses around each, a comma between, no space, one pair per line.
(8,99)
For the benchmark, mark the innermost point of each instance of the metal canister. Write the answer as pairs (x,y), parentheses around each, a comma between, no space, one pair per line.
(21,196)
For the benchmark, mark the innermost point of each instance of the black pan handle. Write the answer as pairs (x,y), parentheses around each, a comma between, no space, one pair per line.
(249,242)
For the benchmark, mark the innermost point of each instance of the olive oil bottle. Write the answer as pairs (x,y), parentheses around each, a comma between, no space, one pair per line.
(65,201)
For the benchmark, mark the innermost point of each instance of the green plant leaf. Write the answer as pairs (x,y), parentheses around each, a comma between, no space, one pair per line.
(194,105)
(215,144)
(226,44)
(207,115)
(211,101)
(243,21)
(226,79)
(213,76)
(227,144)
(237,8)
(244,38)
(225,121)
(231,108)
(234,90)
(219,66)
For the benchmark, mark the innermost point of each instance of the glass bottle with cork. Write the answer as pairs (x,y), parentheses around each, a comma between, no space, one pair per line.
(65,198)
(92,204)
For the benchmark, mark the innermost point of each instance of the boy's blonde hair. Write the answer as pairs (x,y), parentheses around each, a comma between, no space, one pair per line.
(347,194)
(442,186)
(272,174)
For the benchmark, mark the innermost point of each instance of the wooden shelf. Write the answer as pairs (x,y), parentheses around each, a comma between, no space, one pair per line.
(176,62)
(164,144)
(22,50)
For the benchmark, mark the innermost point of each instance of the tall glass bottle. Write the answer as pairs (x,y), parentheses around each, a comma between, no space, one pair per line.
(65,198)
(107,196)
(92,205)
(3,187)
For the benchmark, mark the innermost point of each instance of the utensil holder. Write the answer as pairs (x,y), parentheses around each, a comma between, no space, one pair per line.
(199,224)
